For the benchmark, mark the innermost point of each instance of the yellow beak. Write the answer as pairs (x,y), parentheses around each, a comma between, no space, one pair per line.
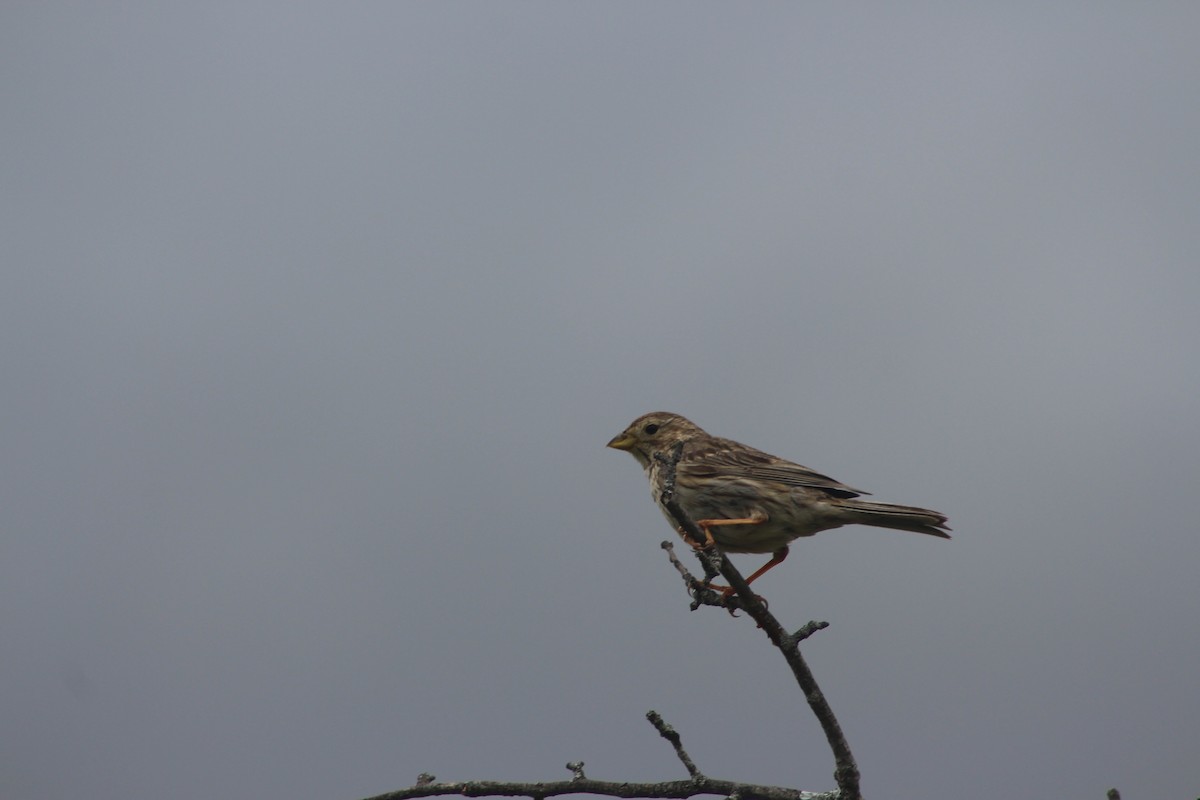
(622,442)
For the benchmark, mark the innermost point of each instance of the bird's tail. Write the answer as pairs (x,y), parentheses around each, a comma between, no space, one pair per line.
(886,515)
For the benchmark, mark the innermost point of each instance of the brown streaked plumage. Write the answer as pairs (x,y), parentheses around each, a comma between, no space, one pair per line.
(748,501)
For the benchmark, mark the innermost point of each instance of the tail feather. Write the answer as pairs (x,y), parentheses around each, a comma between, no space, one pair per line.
(903,518)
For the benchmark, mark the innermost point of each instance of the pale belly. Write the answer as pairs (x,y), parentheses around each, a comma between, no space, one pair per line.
(791,515)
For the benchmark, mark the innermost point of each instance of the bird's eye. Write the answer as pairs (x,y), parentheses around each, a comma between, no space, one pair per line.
(651,429)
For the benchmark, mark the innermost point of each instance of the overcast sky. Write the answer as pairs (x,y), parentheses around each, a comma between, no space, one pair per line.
(315,319)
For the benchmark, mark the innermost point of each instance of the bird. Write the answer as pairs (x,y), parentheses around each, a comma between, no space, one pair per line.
(747,501)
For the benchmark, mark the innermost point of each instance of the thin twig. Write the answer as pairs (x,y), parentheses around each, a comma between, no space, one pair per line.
(702,593)
(672,736)
(845,768)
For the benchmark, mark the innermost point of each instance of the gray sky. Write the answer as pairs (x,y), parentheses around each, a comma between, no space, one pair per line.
(315,320)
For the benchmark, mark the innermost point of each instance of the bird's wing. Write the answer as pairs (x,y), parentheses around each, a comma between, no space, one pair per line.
(721,457)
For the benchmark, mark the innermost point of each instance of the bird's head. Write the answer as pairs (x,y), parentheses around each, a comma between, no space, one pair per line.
(657,431)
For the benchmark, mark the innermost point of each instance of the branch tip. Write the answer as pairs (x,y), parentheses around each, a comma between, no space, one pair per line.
(808,630)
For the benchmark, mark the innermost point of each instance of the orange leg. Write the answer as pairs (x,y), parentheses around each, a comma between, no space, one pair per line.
(776,558)
(705,524)
(692,543)
(709,543)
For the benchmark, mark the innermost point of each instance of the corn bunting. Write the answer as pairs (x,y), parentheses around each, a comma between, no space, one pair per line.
(747,501)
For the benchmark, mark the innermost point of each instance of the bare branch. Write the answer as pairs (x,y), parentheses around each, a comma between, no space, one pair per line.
(668,790)
(845,768)
(579,783)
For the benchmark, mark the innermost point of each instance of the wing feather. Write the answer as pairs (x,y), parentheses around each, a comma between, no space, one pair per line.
(724,458)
